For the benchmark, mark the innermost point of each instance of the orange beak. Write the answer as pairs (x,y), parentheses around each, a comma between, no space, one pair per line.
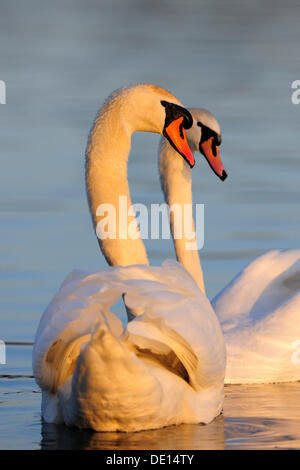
(175,133)
(213,158)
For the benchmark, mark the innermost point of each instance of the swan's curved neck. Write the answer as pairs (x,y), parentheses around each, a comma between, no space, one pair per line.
(106,172)
(176,182)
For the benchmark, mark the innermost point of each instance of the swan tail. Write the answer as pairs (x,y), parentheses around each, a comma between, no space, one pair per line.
(65,328)
(110,385)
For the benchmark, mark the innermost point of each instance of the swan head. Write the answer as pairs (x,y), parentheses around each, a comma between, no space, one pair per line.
(154,109)
(205,136)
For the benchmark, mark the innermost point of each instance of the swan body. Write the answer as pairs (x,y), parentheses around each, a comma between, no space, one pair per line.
(259,310)
(168,365)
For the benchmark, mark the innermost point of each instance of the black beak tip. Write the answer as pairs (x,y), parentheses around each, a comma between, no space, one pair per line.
(224,176)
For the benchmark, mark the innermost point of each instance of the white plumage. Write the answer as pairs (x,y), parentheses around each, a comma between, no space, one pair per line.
(166,367)
(259,312)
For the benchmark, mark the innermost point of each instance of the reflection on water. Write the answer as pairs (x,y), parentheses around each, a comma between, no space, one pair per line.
(262,416)
(258,416)
(254,416)
(237,59)
(174,437)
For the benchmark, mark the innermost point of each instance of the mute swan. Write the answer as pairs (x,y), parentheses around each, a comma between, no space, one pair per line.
(168,365)
(259,309)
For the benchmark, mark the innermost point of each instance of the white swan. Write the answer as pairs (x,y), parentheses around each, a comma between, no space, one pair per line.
(168,366)
(259,309)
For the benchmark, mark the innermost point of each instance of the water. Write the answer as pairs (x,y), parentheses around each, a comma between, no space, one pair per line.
(60,60)
(254,416)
